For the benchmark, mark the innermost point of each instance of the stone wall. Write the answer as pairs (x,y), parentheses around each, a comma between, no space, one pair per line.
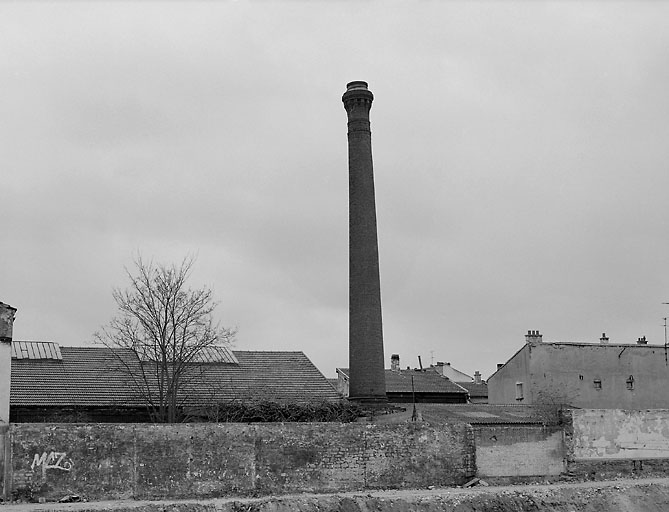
(111,461)
(518,451)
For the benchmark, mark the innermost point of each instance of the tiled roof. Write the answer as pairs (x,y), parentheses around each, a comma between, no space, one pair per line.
(427,381)
(84,376)
(424,381)
(213,354)
(273,375)
(476,390)
(98,376)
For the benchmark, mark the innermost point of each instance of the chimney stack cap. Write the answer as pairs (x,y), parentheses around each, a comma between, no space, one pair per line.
(356,85)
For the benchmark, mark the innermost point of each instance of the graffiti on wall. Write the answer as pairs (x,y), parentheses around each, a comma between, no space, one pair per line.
(53,460)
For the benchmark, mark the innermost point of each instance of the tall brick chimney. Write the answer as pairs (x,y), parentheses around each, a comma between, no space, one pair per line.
(6,329)
(365,345)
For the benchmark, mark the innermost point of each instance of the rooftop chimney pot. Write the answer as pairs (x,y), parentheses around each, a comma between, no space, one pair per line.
(533,337)
(395,362)
(604,339)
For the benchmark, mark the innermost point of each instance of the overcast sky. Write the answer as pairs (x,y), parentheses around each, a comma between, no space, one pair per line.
(520,157)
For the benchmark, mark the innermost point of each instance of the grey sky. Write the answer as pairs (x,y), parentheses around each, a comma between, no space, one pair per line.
(520,153)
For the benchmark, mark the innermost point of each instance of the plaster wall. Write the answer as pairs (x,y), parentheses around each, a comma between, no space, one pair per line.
(613,434)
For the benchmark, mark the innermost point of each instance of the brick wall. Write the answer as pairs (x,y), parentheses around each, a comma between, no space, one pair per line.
(511,451)
(107,461)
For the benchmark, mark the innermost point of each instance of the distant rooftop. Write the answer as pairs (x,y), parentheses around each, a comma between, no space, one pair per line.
(423,381)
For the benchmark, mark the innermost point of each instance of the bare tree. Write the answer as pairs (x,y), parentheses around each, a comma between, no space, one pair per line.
(169,326)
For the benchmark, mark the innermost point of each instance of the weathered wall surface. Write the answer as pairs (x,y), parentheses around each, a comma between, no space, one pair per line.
(615,434)
(528,450)
(100,461)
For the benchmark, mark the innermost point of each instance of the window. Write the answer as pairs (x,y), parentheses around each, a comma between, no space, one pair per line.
(519,390)
(597,383)
(630,382)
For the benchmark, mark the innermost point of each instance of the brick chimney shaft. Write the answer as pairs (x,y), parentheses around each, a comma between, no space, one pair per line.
(366,361)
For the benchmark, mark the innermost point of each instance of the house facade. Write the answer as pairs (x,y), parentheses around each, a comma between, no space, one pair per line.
(600,375)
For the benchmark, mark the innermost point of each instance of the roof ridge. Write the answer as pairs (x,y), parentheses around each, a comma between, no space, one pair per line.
(273,351)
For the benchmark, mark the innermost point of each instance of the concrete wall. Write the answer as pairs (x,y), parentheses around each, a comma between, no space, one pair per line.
(567,372)
(610,434)
(99,461)
(511,451)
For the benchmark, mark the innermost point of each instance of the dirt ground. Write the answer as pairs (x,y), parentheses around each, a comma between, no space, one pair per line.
(638,495)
